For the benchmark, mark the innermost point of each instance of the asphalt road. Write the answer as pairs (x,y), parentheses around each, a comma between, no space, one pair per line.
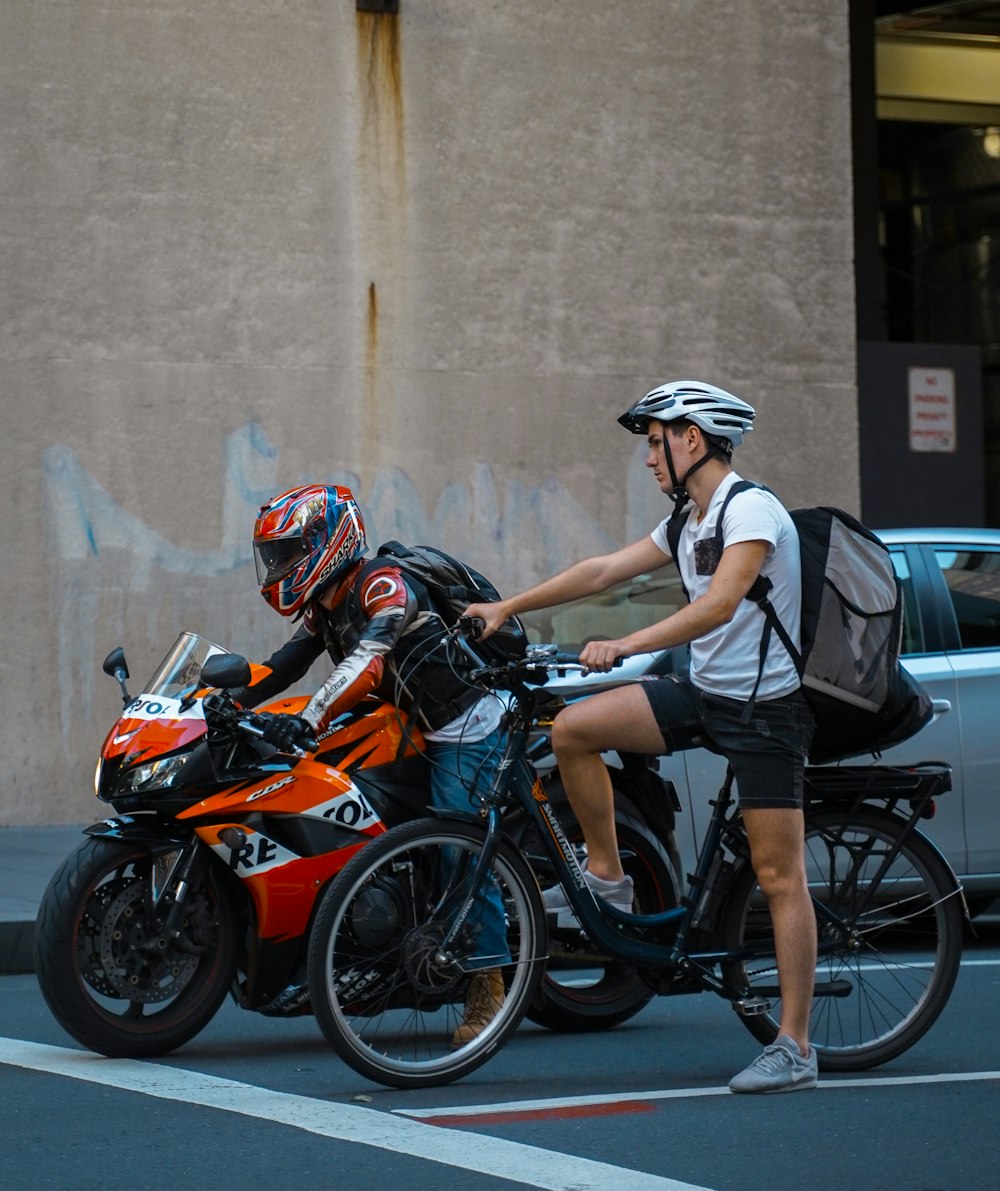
(255,1104)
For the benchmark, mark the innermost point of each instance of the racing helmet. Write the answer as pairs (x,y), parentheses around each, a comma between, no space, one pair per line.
(304,540)
(723,417)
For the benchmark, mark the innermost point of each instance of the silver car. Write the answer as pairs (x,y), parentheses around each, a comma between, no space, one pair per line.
(951,644)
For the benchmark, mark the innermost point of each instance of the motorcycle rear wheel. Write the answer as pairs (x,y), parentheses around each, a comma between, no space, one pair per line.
(104,987)
(583,991)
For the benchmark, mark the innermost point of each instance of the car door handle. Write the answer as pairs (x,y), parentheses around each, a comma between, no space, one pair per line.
(940,706)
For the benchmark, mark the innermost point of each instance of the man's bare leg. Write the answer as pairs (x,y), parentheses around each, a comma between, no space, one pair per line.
(619,719)
(777,852)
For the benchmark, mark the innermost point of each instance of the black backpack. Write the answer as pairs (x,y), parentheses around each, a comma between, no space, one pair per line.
(862,698)
(451,586)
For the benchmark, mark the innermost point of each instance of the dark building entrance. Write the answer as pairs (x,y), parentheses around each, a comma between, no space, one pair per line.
(926,82)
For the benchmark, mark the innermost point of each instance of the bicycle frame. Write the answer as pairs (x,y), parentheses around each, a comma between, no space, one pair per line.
(626,936)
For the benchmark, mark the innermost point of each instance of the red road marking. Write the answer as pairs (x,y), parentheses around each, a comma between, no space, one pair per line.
(611,1108)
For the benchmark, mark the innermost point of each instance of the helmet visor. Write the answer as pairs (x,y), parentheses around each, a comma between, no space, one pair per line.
(278,557)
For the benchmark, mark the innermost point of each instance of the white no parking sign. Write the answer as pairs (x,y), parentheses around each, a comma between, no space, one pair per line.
(932,409)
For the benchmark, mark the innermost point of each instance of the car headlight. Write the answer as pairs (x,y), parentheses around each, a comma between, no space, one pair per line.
(153,775)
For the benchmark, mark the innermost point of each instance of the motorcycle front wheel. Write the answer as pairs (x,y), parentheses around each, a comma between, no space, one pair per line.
(109,977)
(393,966)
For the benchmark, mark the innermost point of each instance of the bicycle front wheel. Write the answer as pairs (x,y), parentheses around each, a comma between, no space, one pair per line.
(390,978)
(890,946)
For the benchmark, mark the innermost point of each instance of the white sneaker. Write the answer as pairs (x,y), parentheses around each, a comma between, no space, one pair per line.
(617,893)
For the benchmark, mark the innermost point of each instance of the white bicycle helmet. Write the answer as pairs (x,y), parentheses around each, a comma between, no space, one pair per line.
(718,413)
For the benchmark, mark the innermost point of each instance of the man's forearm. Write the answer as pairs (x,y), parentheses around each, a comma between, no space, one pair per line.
(582,579)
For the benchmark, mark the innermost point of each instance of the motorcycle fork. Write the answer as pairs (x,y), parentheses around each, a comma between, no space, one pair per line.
(186,871)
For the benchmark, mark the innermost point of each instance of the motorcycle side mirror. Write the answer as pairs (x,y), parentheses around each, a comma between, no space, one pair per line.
(226,671)
(116,667)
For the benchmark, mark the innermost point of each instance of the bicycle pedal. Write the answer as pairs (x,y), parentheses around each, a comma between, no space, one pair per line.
(752,1006)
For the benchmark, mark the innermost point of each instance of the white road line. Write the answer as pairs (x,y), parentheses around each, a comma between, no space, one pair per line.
(362,1126)
(825,1084)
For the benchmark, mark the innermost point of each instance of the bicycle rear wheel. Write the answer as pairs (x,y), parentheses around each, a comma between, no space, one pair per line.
(387,990)
(883,986)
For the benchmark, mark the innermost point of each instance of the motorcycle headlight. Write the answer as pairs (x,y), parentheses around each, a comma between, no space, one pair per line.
(153,775)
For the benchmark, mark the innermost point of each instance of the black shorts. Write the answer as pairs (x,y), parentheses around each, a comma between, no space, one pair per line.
(768,753)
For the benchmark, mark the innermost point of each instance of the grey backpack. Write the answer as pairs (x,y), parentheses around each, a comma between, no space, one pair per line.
(862,698)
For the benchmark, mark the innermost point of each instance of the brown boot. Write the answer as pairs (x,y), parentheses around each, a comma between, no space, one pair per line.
(483,998)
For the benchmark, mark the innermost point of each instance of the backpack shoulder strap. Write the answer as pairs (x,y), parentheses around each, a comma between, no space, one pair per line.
(742,486)
(675,527)
(759,595)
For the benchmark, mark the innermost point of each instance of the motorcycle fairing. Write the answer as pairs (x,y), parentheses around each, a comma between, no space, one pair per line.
(283,904)
(372,733)
(153,732)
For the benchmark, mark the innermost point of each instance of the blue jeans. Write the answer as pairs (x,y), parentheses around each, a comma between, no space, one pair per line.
(457,771)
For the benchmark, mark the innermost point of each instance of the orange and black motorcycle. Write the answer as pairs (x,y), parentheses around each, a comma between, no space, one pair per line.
(207,879)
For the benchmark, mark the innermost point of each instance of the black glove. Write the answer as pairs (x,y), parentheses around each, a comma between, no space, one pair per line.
(285,732)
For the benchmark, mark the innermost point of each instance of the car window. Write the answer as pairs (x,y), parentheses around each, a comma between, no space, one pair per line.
(611,614)
(973,579)
(647,599)
(913,637)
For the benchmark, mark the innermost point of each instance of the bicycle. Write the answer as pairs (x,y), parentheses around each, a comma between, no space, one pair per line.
(390,954)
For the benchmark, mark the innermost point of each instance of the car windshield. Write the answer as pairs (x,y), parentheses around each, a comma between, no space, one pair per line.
(180,671)
(610,614)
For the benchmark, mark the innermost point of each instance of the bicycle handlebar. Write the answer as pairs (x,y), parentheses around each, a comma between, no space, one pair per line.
(534,667)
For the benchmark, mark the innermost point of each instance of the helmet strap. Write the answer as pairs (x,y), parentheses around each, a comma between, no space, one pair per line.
(679,495)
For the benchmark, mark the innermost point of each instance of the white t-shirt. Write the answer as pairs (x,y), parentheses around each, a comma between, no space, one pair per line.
(726,660)
(473,725)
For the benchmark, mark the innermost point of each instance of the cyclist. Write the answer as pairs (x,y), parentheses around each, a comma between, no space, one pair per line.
(692,428)
(309,546)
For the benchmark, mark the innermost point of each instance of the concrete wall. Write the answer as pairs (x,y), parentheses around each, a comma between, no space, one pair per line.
(253,242)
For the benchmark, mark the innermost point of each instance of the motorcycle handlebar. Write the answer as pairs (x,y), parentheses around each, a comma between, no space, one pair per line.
(253,730)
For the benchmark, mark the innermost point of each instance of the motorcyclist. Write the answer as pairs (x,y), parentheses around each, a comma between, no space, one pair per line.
(310,547)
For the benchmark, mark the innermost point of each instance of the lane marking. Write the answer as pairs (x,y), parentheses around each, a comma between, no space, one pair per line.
(514,1115)
(485,1155)
(539,1109)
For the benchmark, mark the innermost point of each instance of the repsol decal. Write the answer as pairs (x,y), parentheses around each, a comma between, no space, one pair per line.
(255,855)
(157,707)
(350,809)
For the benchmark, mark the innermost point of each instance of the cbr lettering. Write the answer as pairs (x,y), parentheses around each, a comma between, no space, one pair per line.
(269,789)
